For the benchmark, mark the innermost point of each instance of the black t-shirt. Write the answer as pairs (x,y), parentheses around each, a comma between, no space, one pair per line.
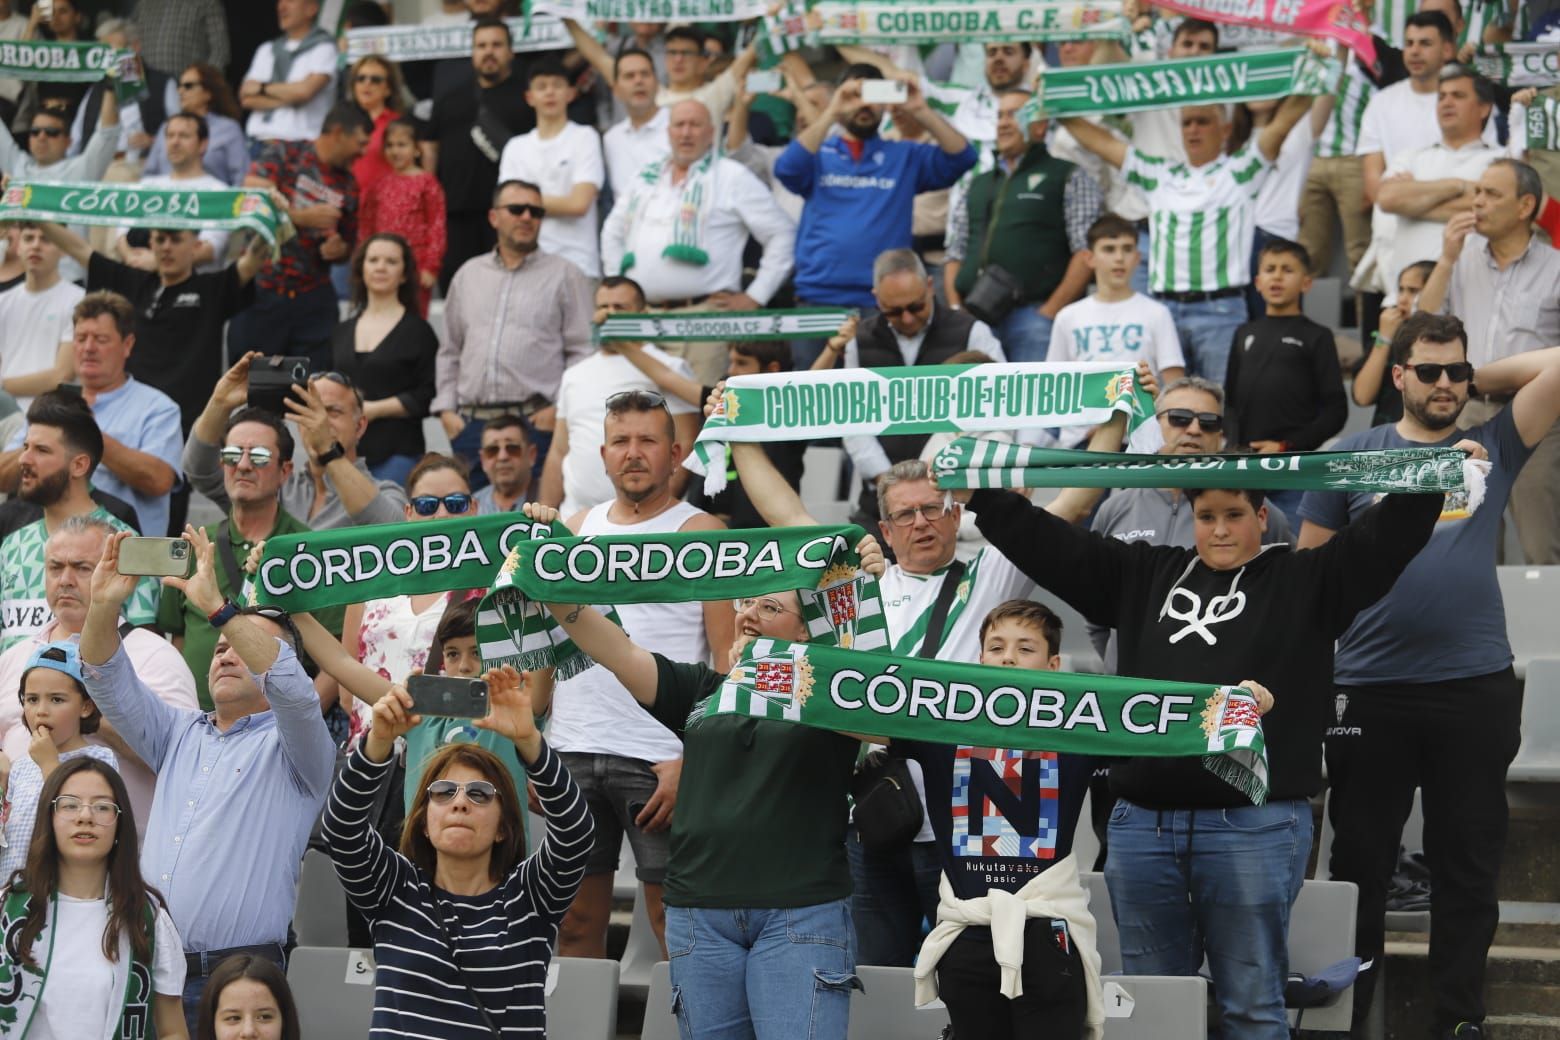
(402,366)
(467,175)
(733,504)
(1000,817)
(1283,383)
(178,328)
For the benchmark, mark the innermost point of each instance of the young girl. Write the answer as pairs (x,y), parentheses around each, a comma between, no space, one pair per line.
(247,998)
(58,713)
(408,202)
(89,950)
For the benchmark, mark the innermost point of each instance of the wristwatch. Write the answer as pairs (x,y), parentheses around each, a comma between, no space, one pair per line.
(223,614)
(336,452)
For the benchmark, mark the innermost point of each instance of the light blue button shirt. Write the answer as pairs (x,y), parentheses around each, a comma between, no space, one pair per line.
(232,814)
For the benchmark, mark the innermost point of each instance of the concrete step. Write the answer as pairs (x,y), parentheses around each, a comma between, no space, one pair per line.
(1523,982)
(1530,869)
(1521,924)
(1522,1027)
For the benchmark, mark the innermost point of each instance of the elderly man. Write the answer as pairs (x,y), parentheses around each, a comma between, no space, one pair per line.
(507,457)
(680,231)
(1203,220)
(1495,275)
(69,557)
(238,788)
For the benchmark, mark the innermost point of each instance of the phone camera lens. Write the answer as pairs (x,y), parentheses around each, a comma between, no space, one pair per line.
(181,550)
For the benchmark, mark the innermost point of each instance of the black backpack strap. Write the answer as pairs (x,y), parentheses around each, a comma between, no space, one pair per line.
(932,641)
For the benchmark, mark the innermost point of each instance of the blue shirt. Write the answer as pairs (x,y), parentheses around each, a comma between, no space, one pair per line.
(856,210)
(233,810)
(1397,639)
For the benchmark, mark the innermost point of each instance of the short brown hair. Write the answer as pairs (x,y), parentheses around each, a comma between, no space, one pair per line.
(1028,612)
(508,851)
(432,463)
(1111,226)
(97,304)
(1432,328)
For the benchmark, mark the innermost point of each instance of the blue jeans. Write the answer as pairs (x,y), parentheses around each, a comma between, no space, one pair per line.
(1140,272)
(1025,334)
(892,893)
(1219,882)
(757,974)
(1206,329)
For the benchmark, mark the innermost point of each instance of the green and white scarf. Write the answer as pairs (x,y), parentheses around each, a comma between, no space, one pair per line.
(1541,125)
(913,698)
(22,987)
(1520,64)
(1137,86)
(587,11)
(801,323)
(840,601)
(836,22)
(693,210)
(403,43)
(112,205)
(58,61)
(973,462)
(799,406)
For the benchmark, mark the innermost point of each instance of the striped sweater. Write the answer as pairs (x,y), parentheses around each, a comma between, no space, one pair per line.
(503,938)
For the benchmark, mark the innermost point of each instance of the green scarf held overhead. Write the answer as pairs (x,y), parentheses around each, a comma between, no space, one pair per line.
(973,462)
(1520,64)
(404,43)
(799,406)
(60,61)
(113,205)
(801,323)
(587,12)
(1084,90)
(840,602)
(912,698)
(1541,125)
(693,210)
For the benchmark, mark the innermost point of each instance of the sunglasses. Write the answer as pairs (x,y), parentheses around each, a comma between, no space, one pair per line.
(1181,418)
(193,84)
(369,77)
(524,209)
(635,400)
(493,451)
(259,458)
(1430,374)
(478,792)
(47,131)
(427,505)
(910,308)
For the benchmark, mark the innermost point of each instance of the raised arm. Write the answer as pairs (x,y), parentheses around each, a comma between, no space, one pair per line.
(1535,376)
(1097,139)
(1271,140)
(609,646)
(67,242)
(591,50)
(668,379)
(1432,298)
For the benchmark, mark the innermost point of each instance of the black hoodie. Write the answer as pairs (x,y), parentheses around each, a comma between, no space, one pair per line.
(1274,620)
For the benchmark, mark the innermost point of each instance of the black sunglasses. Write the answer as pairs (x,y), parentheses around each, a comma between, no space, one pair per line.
(635,400)
(1181,418)
(369,77)
(427,505)
(47,131)
(524,209)
(1430,374)
(193,84)
(910,308)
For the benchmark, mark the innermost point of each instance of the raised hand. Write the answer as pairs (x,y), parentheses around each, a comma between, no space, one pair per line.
(200,588)
(110,589)
(509,711)
(392,718)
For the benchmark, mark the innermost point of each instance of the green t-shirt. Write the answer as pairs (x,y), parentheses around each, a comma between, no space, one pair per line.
(761,808)
(436,731)
(176,617)
(23,609)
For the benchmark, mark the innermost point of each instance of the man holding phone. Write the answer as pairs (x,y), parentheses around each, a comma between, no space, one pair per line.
(238,788)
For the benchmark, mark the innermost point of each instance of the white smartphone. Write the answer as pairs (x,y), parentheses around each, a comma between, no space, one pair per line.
(884,92)
(763,81)
(46,10)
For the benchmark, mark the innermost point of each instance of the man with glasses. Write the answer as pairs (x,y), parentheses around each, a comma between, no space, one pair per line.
(573,478)
(507,458)
(239,787)
(908,328)
(1426,696)
(256,456)
(514,319)
(335,489)
(48,139)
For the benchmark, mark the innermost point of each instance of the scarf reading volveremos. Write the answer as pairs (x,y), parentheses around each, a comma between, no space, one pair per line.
(836,22)
(840,602)
(402,43)
(1331,19)
(1520,64)
(974,462)
(802,323)
(1136,86)
(693,210)
(799,406)
(22,987)
(912,698)
(112,205)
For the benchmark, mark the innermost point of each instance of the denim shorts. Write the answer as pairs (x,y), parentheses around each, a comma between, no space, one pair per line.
(615,790)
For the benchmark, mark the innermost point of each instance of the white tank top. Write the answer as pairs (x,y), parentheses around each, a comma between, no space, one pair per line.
(593,712)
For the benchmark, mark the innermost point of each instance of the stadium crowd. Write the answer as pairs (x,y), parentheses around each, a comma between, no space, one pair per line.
(426,340)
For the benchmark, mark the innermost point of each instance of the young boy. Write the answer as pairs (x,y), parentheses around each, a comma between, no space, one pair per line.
(1283,390)
(1117,323)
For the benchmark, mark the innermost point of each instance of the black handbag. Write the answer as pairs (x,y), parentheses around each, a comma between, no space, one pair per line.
(994,295)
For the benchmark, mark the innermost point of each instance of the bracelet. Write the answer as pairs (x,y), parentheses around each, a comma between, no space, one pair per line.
(223,614)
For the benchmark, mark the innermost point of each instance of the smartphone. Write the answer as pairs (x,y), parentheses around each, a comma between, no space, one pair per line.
(271,381)
(156,557)
(884,92)
(763,81)
(449,696)
(46,9)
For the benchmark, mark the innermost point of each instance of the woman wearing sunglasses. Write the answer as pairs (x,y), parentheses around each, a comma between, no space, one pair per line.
(463,922)
(89,949)
(374,85)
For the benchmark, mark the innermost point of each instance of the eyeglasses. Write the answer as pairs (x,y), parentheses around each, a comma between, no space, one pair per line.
(369,77)
(193,84)
(524,209)
(493,451)
(1181,418)
(932,512)
(259,458)
(684,52)
(1430,374)
(103,813)
(478,792)
(427,505)
(910,308)
(635,400)
(46,131)
(768,609)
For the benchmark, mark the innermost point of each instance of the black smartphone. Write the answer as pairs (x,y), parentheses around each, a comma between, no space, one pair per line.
(448,696)
(271,381)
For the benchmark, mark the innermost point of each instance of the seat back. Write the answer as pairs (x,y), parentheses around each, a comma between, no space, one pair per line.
(334,990)
(642,951)
(1155,1007)
(582,998)
(885,1007)
(1538,758)
(1321,933)
(660,1023)
(320,918)
(1532,598)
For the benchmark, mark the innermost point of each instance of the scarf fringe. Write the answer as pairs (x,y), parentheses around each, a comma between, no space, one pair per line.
(1231,768)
